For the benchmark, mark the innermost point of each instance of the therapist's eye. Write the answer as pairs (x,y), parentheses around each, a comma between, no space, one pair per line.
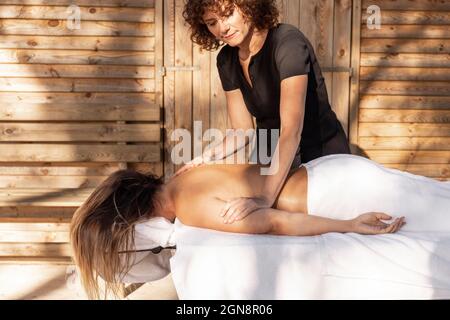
(228,13)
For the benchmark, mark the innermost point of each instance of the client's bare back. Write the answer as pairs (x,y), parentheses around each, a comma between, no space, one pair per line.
(227,182)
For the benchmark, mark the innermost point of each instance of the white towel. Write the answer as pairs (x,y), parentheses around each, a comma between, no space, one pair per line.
(147,266)
(345,186)
(215,265)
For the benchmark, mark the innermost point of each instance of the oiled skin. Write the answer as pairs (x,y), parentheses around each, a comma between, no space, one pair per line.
(226,182)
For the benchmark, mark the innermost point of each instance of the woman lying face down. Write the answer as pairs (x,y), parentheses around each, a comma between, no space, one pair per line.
(104,225)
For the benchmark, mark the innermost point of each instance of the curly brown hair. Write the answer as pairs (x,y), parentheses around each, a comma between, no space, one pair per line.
(262,14)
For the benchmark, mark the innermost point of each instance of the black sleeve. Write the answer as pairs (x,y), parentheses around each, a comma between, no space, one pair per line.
(227,70)
(292,55)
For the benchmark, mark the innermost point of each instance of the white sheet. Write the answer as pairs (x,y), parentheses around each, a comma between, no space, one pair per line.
(214,265)
(344,186)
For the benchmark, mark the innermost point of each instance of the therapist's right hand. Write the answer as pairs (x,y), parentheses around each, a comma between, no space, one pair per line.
(196,162)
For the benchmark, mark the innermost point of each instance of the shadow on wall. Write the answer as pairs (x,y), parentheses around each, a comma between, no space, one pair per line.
(387,71)
(90,90)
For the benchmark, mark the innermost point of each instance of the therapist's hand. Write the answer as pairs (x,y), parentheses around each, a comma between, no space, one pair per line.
(196,162)
(237,209)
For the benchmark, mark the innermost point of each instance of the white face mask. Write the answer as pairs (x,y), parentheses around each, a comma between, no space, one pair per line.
(148,266)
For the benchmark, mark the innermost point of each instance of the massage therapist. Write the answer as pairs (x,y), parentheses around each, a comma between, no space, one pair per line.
(269,71)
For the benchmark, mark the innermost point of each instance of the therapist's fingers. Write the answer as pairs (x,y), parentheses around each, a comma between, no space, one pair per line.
(231,206)
(230,209)
(225,208)
(241,213)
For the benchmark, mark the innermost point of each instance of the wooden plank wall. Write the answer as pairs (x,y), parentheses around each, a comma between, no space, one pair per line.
(327,25)
(75,105)
(404,108)
(198,96)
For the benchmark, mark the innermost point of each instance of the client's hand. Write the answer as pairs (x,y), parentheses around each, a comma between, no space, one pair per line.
(370,223)
(237,209)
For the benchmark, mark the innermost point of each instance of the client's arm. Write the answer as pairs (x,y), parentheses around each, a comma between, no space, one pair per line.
(278,222)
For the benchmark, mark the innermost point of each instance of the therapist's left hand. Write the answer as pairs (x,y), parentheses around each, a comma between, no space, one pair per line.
(237,209)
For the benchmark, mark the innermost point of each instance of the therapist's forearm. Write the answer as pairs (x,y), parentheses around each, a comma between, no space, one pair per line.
(284,154)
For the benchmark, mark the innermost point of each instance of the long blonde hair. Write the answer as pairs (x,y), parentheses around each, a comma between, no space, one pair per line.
(103,226)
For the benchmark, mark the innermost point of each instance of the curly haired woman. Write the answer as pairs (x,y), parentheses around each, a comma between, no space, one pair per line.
(269,71)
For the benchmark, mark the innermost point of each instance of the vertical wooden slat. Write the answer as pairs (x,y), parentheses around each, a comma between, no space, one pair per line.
(159,60)
(325,46)
(291,12)
(183,79)
(354,89)
(169,85)
(202,93)
(341,59)
(316,18)
(219,114)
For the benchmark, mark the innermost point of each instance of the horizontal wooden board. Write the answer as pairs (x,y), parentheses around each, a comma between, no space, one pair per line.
(91,13)
(414,60)
(17,260)
(417,116)
(402,74)
(78,112)
(44,197)
(404,143)
(36,231)
(411,17)
(58,132)
(38,224)
(71,99)
(80,153)
(76,85)
(87,28)
(75,71)
(407,31)
(98,3)
(42,182)
(405,45)
(403,102)
(408,4)
(35,249)
(418,88)
(55,170)
(18,212)
(78,43)
(403,130)
(77,57)
(409,157)
(34,236)
(427,170)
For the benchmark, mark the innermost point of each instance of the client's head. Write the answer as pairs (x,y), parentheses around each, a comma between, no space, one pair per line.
(103,227)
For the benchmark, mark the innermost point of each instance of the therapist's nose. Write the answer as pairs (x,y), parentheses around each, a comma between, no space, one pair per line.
(224,27)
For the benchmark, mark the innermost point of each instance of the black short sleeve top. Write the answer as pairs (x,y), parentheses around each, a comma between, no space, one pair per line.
(286,52)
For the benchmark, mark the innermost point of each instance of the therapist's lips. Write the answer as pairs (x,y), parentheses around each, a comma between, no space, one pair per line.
(230,36)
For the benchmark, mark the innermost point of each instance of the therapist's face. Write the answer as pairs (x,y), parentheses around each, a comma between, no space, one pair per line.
(231,27)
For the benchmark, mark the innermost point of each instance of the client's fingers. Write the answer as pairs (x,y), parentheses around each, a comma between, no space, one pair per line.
(383,216)
(391,227)
(400,224)
(396,225)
